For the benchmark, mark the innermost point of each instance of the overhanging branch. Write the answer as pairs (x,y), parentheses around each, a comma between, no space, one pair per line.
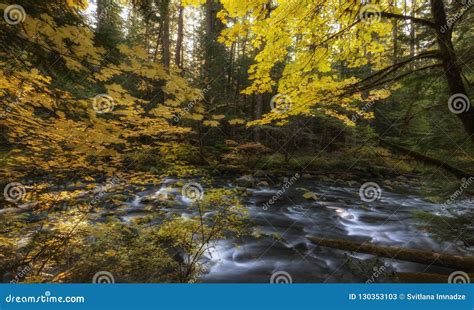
(383,73)
(396,78)
(417,20)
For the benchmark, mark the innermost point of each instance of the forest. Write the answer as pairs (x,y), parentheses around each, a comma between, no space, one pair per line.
(236,141)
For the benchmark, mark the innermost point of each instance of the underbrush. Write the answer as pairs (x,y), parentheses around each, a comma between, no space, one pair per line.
(75,245)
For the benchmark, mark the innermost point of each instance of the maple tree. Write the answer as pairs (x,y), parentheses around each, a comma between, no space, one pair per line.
(75,127)
(309,37)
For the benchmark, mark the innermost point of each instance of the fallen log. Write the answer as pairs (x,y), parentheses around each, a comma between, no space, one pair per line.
(456,262)
(423,158)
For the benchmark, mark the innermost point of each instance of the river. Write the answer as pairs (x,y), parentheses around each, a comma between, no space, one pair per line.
(279,240)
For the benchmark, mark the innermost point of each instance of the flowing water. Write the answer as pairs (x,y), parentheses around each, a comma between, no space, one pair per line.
(279,241)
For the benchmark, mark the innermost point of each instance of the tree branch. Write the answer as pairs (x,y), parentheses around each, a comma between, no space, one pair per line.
(459,18)
(381,74)
(411,18)
(396,78)
(456,262)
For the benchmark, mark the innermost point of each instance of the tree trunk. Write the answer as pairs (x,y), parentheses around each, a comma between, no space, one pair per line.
(260,97)
(165,33)
(413,34)
(258,115)
(395,41)
(208,38)
(179,41)
(411,255)
(451,67)
(101,14)
(157,45)
(209,18)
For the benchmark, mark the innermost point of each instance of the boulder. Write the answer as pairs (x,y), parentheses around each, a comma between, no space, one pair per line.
(245,181)
(310,196)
